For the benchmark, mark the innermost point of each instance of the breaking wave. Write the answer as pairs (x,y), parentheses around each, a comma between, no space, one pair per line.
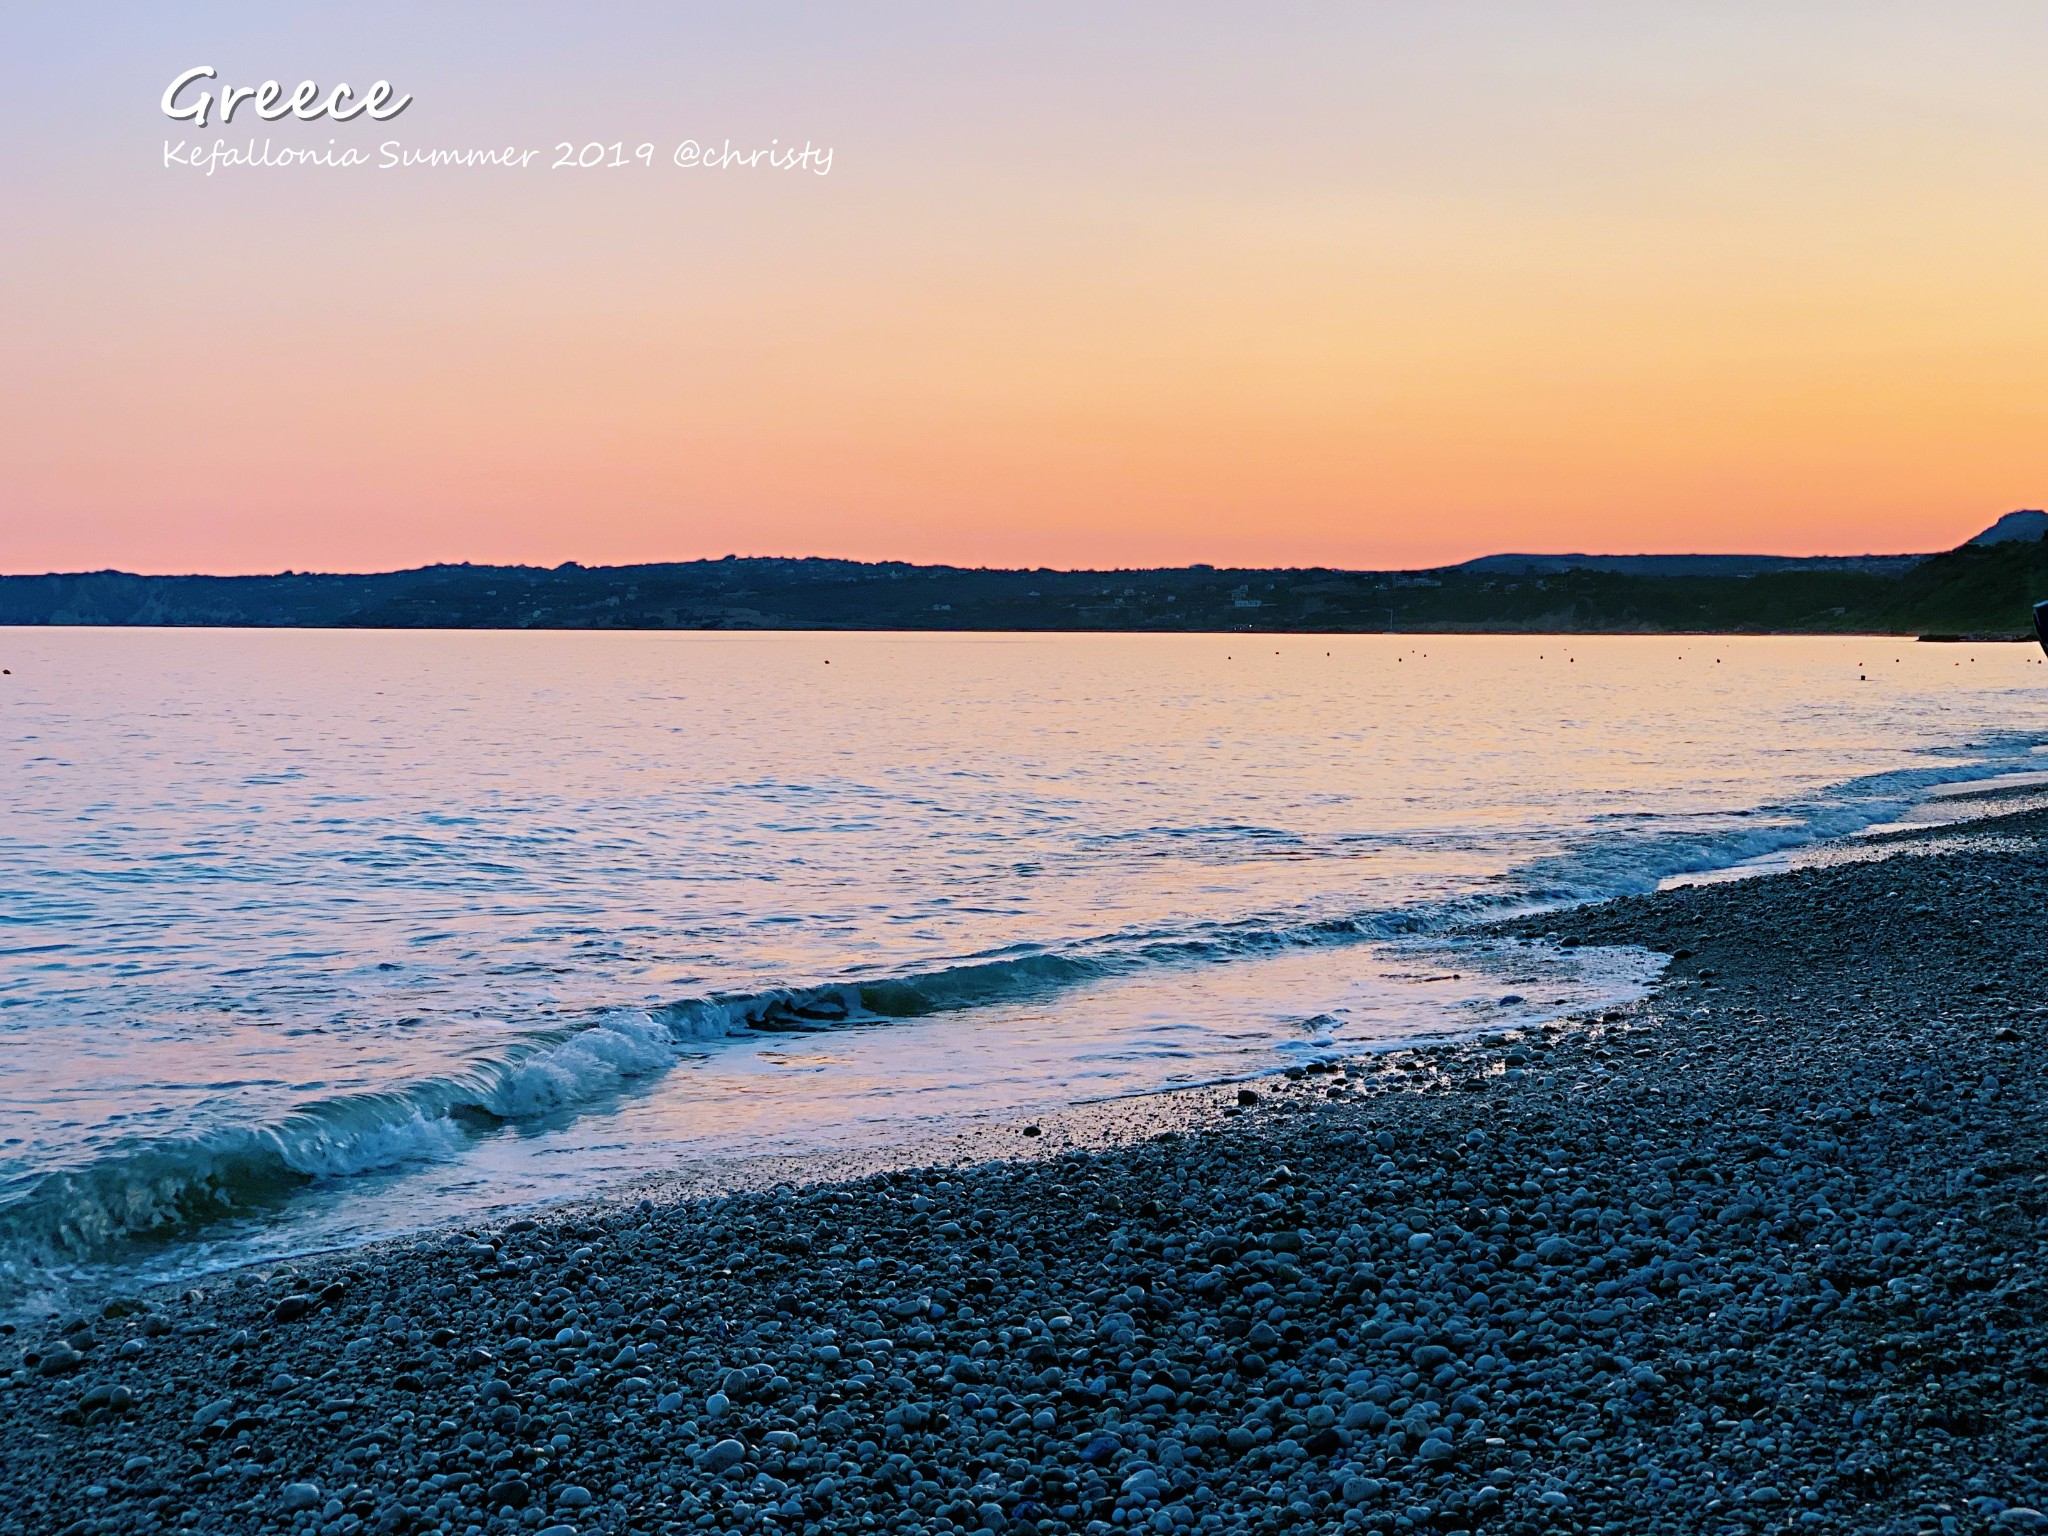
(163,1189)
(152,1192)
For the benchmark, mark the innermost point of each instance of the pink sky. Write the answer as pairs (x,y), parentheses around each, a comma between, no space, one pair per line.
(1322,285)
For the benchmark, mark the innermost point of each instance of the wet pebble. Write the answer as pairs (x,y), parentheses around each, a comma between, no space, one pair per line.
(1688,1276)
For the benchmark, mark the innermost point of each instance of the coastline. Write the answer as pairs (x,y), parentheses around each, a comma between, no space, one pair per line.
(1758,1253)
(1973,590)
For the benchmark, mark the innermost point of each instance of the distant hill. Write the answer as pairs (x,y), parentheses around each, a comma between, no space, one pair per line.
(2015,527)
(1979,589)
(1691,565)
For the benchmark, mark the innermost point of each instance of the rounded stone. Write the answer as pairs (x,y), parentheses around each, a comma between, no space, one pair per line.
(725,1455)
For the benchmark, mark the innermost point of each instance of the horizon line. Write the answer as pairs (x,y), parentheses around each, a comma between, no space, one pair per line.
(941,565)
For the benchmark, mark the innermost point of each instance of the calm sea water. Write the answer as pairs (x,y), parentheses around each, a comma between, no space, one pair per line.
(312,937)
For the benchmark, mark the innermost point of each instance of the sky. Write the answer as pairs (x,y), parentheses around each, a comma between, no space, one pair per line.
(1355,284)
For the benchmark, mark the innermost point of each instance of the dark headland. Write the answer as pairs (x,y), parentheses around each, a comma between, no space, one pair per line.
(1980,590)
(1763,1253)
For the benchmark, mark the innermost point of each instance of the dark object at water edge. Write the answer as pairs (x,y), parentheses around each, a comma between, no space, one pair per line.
(2041,624)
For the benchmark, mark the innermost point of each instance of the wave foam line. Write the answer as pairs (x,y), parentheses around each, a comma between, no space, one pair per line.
(159,1191)
(163,1189)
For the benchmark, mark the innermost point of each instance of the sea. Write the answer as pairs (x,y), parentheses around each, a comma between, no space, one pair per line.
(313,938)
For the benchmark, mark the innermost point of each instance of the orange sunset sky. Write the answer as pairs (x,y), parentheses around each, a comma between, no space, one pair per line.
(1351,284)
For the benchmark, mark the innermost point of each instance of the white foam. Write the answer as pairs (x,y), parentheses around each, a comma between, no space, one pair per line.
(596,1061)
(374,1146)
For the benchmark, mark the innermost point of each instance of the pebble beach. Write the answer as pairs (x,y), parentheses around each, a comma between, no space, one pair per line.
(1760,1253)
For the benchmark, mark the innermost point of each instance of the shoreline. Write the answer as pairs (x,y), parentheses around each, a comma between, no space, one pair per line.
(942,1139)
(1797,1185)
